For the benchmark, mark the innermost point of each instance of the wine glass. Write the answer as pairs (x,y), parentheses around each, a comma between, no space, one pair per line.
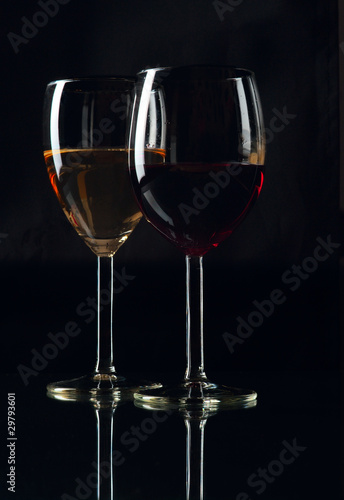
(197,148)
(84,131)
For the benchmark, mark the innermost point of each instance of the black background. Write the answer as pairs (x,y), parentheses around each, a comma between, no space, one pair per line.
(47,271)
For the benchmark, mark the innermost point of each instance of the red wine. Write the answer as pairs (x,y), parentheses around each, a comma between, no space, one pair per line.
(197,205)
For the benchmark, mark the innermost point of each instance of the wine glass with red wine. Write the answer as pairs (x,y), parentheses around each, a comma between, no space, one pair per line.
(196,148)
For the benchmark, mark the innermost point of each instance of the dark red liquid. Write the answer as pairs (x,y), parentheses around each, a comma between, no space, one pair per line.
(196,205)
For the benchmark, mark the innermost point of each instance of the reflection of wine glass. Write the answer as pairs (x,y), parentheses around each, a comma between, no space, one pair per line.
(195,426)
(84,149)
(196,162)
(105,406)
(195,422)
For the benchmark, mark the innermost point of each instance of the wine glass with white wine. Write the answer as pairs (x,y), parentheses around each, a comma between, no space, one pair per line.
(84,132)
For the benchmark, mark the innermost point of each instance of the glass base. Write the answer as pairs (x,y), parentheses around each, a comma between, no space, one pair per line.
(96,385)
(202,395)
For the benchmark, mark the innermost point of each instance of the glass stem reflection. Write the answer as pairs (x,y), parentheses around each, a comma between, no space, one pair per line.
(194,320)
(194,458)
(105,488)
(105,363)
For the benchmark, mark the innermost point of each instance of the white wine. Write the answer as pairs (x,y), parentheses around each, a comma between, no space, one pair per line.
(94,189)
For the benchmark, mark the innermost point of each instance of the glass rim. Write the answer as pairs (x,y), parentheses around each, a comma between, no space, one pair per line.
(238,72)
(90,79)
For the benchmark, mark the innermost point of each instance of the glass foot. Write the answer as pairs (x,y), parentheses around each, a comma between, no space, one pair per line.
(195,395)
(87,387)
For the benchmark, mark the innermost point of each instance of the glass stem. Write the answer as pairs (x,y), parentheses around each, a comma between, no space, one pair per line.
(104,363)
(194,320)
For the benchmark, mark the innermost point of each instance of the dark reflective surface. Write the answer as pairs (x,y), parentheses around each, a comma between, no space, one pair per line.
(286,448)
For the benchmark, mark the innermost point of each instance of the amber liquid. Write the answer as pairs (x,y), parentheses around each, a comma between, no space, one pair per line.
(94,190)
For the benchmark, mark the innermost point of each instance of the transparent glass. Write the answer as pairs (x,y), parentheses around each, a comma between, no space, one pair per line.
(197,150)
(84,131)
